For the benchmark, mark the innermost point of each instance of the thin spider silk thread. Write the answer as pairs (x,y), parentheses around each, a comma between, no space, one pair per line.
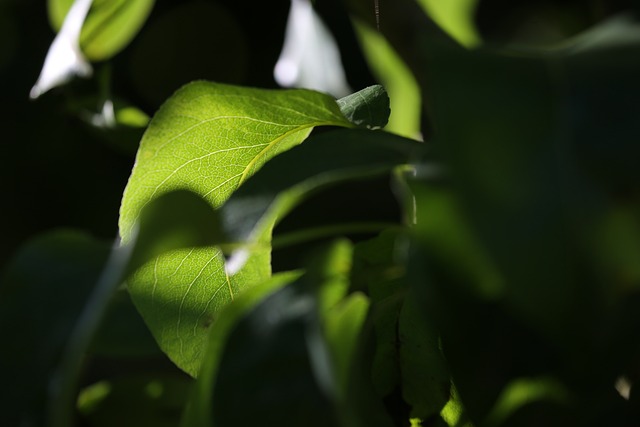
(376,6)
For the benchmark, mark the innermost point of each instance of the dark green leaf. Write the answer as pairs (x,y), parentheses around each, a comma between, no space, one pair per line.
(378,269)
(424,374)
(324,160)
(199,411)
(123,334)
(367,108)
(276,364)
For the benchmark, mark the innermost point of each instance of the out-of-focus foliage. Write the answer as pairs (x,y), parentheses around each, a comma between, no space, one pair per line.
(270,269)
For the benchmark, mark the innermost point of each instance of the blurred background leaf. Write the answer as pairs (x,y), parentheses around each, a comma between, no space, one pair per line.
(109,27)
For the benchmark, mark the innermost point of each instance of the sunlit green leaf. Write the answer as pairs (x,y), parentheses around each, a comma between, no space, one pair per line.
(456,17)
(109,27)
(209,138)
(171,257)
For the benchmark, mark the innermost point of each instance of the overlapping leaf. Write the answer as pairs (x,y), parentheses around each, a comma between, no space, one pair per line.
(208,138)
(324,160)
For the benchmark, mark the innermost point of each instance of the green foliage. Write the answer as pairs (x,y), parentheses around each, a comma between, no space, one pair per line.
(494,283)
(109,27)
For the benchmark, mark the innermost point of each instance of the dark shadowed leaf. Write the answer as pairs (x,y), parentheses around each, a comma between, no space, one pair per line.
(43,291)
(367,108)
(199,410)
(277,364)
(325,159)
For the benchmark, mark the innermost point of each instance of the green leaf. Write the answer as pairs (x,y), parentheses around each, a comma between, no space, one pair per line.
(168,223)
(175,220)
(524,391)
(443,228)
(343,325)
(178,280)
(163,229)
(368,107)
(342,316)
(110,25)
(277,364)
(325,159)
(378,269)
(392,72)
(424,375)
(209,138)
(198,413)
(456,17)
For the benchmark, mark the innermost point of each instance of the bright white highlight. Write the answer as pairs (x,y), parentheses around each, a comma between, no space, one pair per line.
(310,57)
(236,261)
(64,59)
(105,118)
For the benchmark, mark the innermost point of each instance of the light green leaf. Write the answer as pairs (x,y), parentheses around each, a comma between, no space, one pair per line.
(456,18)
(176,220)
(180,294)
(524,391)
(181,283)
(393,73)
(110,25)
(208,138)
(368,107)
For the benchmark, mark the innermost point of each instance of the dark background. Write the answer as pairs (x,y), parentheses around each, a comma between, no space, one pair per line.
(57,171)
